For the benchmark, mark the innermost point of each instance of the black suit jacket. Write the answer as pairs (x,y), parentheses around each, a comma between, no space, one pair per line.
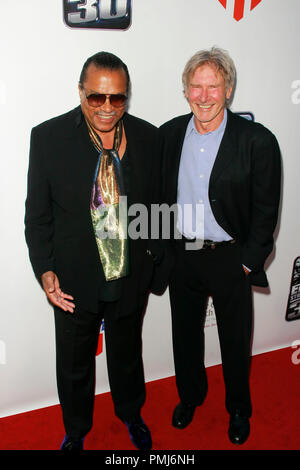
(244,188)
(58,226)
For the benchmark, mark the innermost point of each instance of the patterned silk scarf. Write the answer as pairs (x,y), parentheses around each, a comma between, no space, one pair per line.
(108,217)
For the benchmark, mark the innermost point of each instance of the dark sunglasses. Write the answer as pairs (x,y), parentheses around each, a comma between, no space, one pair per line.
(98,99)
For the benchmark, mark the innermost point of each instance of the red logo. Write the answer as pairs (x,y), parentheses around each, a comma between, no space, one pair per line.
(239,7)
(100,340)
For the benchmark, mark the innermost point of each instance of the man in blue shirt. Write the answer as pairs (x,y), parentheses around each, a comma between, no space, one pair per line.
(223,172)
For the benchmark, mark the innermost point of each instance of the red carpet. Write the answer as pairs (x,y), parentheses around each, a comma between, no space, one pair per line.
(275,424)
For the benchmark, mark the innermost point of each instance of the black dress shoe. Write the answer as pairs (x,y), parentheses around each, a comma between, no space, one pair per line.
(68,444)
(183,415)
(139,434)
(239,428)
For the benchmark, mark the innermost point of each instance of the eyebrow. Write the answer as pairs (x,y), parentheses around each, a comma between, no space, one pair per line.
(92,92)
(198,86)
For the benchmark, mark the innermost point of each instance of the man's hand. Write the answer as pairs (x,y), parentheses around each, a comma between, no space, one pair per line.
(54,293)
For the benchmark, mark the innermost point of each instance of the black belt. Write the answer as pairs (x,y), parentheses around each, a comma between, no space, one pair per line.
(208,244)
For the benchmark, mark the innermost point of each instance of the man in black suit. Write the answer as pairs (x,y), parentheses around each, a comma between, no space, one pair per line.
(223,172)
(83,164)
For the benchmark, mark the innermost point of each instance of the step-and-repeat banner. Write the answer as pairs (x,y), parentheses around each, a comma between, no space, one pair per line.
(43,47)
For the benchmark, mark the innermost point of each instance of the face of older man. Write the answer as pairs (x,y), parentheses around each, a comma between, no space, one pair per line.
(206,94)
(104,117)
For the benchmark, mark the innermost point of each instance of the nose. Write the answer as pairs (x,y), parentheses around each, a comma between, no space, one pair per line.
(203,95)
(107,107)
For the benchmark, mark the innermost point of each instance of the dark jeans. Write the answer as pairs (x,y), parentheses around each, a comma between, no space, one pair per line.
(76,344)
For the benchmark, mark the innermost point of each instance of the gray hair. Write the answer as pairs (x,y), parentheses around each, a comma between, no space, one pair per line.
(217,57)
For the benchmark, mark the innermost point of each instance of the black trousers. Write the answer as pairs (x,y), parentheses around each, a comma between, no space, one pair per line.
(76,344)
(219,273)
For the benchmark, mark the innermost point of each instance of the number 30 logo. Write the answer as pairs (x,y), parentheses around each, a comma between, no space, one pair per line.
(104,14)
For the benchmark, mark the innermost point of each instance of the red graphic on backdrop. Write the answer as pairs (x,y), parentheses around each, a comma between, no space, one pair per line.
(239,7)
(100,340)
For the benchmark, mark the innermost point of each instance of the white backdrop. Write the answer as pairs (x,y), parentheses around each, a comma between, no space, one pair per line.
(41,59)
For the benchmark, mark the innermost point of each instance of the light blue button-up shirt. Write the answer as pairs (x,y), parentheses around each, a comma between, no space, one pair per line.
(199,151)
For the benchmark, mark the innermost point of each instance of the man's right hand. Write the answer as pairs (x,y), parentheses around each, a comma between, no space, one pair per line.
(54,293)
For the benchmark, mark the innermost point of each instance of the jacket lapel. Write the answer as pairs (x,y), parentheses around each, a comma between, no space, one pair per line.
(227,150)
(175,154)
(140,161)
(84,158)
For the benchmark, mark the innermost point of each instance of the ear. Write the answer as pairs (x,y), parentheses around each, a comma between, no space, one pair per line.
(228,93)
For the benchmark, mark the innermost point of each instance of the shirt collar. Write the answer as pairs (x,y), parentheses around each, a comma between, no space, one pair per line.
(216,133)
